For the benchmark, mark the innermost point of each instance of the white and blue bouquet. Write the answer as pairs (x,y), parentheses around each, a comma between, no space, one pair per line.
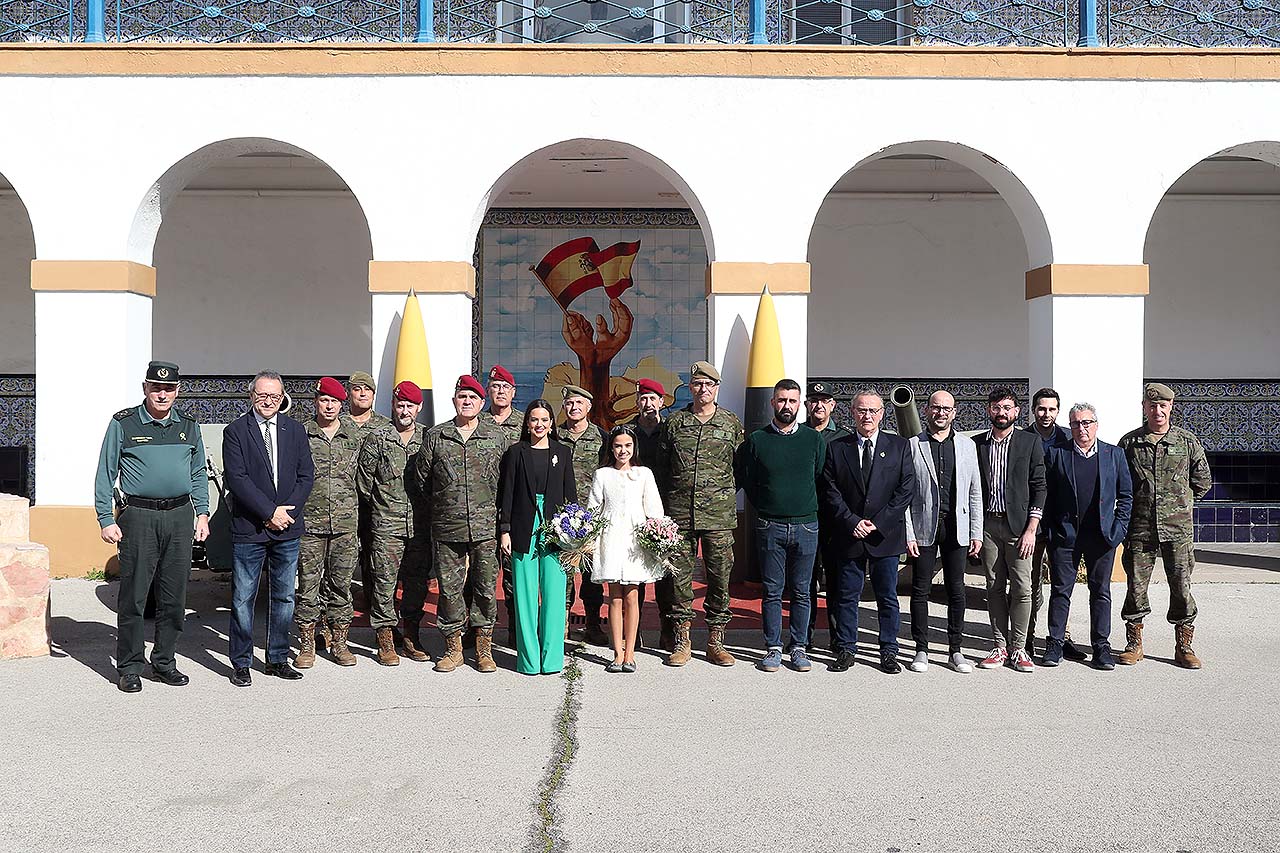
(574,531)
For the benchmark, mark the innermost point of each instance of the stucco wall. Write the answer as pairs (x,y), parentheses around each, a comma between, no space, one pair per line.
(17,302)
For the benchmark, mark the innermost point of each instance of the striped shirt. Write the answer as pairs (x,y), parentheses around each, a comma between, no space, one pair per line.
(998,464)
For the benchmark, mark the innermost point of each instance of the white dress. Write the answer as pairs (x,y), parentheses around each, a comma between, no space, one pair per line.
(627,499)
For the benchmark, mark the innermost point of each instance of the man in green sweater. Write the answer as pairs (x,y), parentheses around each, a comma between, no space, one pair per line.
(779,466)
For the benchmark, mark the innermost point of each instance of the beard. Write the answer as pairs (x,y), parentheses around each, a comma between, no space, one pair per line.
(785,417)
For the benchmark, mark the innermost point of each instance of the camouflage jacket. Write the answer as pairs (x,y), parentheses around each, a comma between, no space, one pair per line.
(511,426)
(459,480)
(700,491)
(334,502)
(587,450)
(375,423)
(385,480)
(1170,472)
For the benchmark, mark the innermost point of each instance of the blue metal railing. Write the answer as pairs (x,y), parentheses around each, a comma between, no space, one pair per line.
(1088,23)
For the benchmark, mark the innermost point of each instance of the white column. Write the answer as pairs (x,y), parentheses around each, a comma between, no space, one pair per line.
(1089,346)
(92,350)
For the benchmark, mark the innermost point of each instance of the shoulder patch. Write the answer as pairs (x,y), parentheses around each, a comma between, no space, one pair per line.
(123,414)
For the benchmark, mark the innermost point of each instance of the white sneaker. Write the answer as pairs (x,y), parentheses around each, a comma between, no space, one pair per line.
(959,663)
(919,663)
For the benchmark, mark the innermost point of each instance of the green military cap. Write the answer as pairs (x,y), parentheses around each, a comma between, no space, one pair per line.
(1157,391)
(362,378)
(705,369)
(575,391)
(819,390)
(162,371)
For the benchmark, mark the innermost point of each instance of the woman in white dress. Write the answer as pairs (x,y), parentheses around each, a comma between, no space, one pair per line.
(627,495)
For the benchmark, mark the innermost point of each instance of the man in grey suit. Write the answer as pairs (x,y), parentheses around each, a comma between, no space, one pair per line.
(945,519)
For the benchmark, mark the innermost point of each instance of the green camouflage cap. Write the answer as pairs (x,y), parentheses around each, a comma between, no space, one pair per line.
(360,377)
(1157,391)
(705,369)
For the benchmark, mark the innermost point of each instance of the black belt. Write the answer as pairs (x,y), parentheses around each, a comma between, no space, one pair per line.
(157,503)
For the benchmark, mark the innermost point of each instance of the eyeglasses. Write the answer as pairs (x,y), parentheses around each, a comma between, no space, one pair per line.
(867,412)
(1005,408)
(701,385)
(943,410)
(1085,424)
(269,398)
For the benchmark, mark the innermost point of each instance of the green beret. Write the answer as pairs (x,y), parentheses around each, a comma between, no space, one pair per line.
(575,391)
(1157,391)
(704,369)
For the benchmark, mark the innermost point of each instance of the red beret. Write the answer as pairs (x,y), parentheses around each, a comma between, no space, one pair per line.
(466,382)
(331,387)
(650,386)
(408,392)
(501,374)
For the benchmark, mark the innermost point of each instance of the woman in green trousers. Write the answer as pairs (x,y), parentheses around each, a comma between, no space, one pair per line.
(536,483)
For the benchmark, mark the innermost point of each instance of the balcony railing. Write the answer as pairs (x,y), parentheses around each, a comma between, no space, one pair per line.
(985,23)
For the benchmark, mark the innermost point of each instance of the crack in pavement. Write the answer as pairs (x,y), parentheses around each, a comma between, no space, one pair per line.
(544,836)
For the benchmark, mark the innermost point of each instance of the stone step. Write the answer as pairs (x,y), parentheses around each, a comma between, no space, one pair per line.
(15,518)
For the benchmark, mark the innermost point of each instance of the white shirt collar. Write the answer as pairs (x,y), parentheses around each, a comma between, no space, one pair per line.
(1092,451)
(795,425)
(261,420)
(872,439)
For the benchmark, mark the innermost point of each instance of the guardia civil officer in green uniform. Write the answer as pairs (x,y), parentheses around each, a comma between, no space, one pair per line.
(362,389)
(700,495)
(329,549)
(157,455)
(820,404)
(1170,473)
(457,471)
(586,440)
(503,413)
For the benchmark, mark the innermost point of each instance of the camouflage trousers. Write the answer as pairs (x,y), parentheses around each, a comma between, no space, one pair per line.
(325,564)
(468,575)
(399,558)
(675,591)
(1139,560)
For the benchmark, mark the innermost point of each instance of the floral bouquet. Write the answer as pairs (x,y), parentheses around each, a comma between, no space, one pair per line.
(660,538)
(574,530)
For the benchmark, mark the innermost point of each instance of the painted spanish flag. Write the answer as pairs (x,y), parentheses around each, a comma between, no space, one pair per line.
(571,269)
(568,271)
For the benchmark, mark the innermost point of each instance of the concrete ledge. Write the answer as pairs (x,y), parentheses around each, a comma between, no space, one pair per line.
(93,277)
(422,277)
(1088,280)
(71,534)
(749,278)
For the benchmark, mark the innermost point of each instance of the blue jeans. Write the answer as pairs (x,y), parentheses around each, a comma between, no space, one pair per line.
(884,580)
(247,559)
(786,561)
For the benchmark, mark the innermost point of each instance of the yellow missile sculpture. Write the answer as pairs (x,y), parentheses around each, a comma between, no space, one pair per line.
(413,361)
(764,364)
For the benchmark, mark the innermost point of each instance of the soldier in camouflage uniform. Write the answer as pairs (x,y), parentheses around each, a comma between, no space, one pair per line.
(700,494)
(586,440)
(502,391)
(1170,472)
(401,543)
(329,550)
(457,469)
(360,411)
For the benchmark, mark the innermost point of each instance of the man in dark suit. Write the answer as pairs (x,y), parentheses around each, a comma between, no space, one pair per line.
(1013,491)
(866,487)
(1087,512)
(269,472)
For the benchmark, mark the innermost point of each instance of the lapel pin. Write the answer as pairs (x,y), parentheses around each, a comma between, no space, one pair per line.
(881,454)
(554,460)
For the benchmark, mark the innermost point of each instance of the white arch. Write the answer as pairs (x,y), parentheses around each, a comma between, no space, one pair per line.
(1026,210)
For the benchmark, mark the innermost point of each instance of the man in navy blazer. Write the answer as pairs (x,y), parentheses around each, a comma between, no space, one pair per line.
(1087,512)
(269,473)
(866,487)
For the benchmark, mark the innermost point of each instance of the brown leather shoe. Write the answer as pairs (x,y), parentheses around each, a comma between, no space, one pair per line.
(413,644)
(484,650)
(306,646)
(681,649)
(338,644)
(1183,655)
(387,648)
(452,654)
(1133,644)
(716,652)
(667,639)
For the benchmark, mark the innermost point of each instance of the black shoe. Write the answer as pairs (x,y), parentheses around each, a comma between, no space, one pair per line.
(1102,658)
(240,677)
(1071,651)
(129,684)
(282,670)
(1052,653)
(844,659)
(171,677)
(890,666)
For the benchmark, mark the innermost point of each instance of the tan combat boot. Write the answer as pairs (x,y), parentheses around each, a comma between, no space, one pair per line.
(413,644)
(452,654)
(324,636)
(716,652)
(306,646)
(681,649)
(1133,644)
(387,648)
(1183,655)
(338,645)
(484,650)
(667,639)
